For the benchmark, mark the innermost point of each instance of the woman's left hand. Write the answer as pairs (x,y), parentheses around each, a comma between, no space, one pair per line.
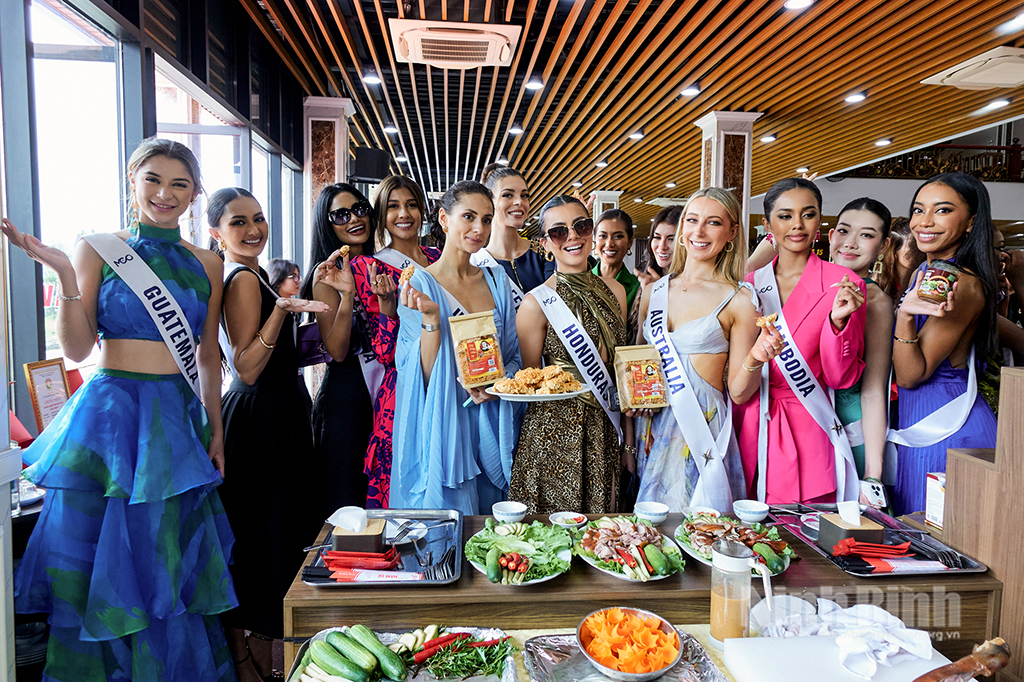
(216,452)
(301,305)
(847,300)
(479,395)
(915,305)
(384,288)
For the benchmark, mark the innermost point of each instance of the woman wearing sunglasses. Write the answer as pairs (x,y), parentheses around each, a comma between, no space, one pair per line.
(450,452)
(701,318)
(342,410)
(523,260)
(399,207)
(569,453)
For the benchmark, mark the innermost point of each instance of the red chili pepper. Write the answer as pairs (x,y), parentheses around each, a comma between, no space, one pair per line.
(444,639)
(647,563)
(490,642)
(503,561)
(428,653)
(627,557)
(523,567)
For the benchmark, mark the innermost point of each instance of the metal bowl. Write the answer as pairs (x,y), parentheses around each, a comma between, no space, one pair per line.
(666,627)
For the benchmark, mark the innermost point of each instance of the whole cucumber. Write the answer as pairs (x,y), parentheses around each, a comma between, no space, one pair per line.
(493,569)
(328,658)
(656,559)
(772,560)
(390,664)
(352,650)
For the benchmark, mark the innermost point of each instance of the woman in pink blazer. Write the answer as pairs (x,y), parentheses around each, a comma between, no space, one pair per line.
(822,304)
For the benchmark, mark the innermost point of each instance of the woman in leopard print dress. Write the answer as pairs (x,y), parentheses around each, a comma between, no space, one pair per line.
(569,456)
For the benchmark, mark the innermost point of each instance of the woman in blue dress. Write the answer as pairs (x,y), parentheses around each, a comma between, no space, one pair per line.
(450,453)
(130,554)
(935,344)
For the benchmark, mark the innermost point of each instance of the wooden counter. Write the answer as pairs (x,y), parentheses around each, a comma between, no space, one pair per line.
(959,611)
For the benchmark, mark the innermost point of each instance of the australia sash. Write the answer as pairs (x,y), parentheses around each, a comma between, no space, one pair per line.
(712,488)
(812,396)
(582,350)
(482,258)
(161,306)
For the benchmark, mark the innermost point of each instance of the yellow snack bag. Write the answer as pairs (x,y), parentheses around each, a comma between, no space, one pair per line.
(639,378)
(477,349)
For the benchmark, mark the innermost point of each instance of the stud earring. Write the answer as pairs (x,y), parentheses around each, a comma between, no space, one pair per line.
(629,252)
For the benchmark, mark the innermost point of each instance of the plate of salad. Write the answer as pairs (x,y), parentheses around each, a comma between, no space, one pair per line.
(520,553)
(628,548)
(699,531)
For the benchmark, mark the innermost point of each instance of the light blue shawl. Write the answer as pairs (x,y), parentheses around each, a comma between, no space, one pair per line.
(446,456)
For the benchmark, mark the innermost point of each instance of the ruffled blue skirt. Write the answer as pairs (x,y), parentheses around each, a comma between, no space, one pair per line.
(130,554)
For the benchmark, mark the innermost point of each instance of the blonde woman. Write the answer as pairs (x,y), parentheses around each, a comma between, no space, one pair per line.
(705,330)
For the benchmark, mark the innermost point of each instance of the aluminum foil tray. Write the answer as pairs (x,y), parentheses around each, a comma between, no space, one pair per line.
(557,658)
(508,674)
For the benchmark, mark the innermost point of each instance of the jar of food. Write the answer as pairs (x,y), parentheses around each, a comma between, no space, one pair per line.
(938,281)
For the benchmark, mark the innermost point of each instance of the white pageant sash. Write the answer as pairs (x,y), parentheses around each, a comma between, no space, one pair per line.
(373,371)
(160,305)
(484,259)
(395,259)
(805,386)
(712,488)
(943,422)
(582,350)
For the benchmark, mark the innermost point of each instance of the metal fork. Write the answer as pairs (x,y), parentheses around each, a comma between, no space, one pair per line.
(443,569)
(404,530)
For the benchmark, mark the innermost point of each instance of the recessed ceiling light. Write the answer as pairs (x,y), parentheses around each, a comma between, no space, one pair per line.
(638,135)
(515,130)
(534,84)
(883,143)
(634,227)
(768,138)
(691,91)
(825,224)
(1019,222)
(856,97)
(803,169)
(389,128)
(601,164)
(1012,26)
(577,184)
(637,199)
(997,104)
(371,78)
(401,159)
(798,4)
(670,185)
(502,160)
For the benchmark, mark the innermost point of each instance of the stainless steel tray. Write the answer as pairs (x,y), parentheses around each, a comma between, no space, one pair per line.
(791,521)
(436,542)
(557,658)
(508,674)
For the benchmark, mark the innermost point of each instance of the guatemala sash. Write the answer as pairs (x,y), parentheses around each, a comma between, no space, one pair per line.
(161,306)
(943,422)
(712,488)
(581,348)
(804,384)
(482,258)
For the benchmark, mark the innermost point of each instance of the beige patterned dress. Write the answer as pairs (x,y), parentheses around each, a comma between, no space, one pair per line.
(567,458)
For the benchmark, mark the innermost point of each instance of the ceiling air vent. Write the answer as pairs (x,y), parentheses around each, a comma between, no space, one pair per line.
(1002,67)
(453,45)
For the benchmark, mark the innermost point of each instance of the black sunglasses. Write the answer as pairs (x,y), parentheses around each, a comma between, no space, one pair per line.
(342,216)
(583,227)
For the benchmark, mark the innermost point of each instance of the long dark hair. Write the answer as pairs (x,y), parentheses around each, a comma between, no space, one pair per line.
(975,252)
(899,235)
(278,270)
(218,203)
(783,186)
(325,240)
(669,214)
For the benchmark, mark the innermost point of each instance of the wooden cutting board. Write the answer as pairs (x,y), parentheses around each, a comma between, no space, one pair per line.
(808,659)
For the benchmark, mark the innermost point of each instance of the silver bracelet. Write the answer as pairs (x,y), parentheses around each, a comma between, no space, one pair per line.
(69,298)
(430,327)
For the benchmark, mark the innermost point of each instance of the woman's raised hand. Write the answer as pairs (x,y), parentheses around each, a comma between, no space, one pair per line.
(339,279)
(847,300)
(417,300)
(915,305)
(301,305)
(767,345)
(49,256)
(382,285)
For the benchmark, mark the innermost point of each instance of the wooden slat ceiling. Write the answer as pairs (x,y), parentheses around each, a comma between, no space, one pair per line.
(614,67)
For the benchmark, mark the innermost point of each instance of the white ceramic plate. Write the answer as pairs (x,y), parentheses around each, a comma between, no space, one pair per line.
(520,398)
(622,576)
(416,531)
(564,519)
(29,493)
(563,554)
(707,562)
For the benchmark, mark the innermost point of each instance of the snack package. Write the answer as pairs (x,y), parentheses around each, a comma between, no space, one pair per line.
(639,378)
(477,349)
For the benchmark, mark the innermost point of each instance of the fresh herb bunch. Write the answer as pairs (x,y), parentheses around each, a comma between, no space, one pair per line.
(460,660)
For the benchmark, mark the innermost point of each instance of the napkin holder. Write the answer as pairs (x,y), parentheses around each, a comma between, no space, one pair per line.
(371,540)
(832,529)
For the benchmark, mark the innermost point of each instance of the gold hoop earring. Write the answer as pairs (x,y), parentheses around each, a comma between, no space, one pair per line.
(629,252)
(729,247)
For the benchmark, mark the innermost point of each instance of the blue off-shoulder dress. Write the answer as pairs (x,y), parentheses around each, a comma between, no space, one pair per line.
(448,455)
(130,554)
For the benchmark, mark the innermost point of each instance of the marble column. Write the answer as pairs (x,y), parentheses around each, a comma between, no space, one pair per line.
(725,154)
(326,144)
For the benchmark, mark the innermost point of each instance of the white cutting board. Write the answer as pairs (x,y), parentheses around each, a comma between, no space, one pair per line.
(808,659)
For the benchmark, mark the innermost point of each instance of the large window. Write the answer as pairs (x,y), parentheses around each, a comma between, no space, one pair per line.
(77,108)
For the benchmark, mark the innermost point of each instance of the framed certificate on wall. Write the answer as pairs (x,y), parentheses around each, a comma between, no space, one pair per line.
(49,388)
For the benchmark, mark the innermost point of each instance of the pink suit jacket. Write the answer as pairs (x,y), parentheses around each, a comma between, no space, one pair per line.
(801,462)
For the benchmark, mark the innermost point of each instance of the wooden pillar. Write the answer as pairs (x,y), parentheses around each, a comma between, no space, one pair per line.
(725,154)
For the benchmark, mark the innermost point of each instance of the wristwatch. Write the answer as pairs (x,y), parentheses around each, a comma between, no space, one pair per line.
(430,327)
